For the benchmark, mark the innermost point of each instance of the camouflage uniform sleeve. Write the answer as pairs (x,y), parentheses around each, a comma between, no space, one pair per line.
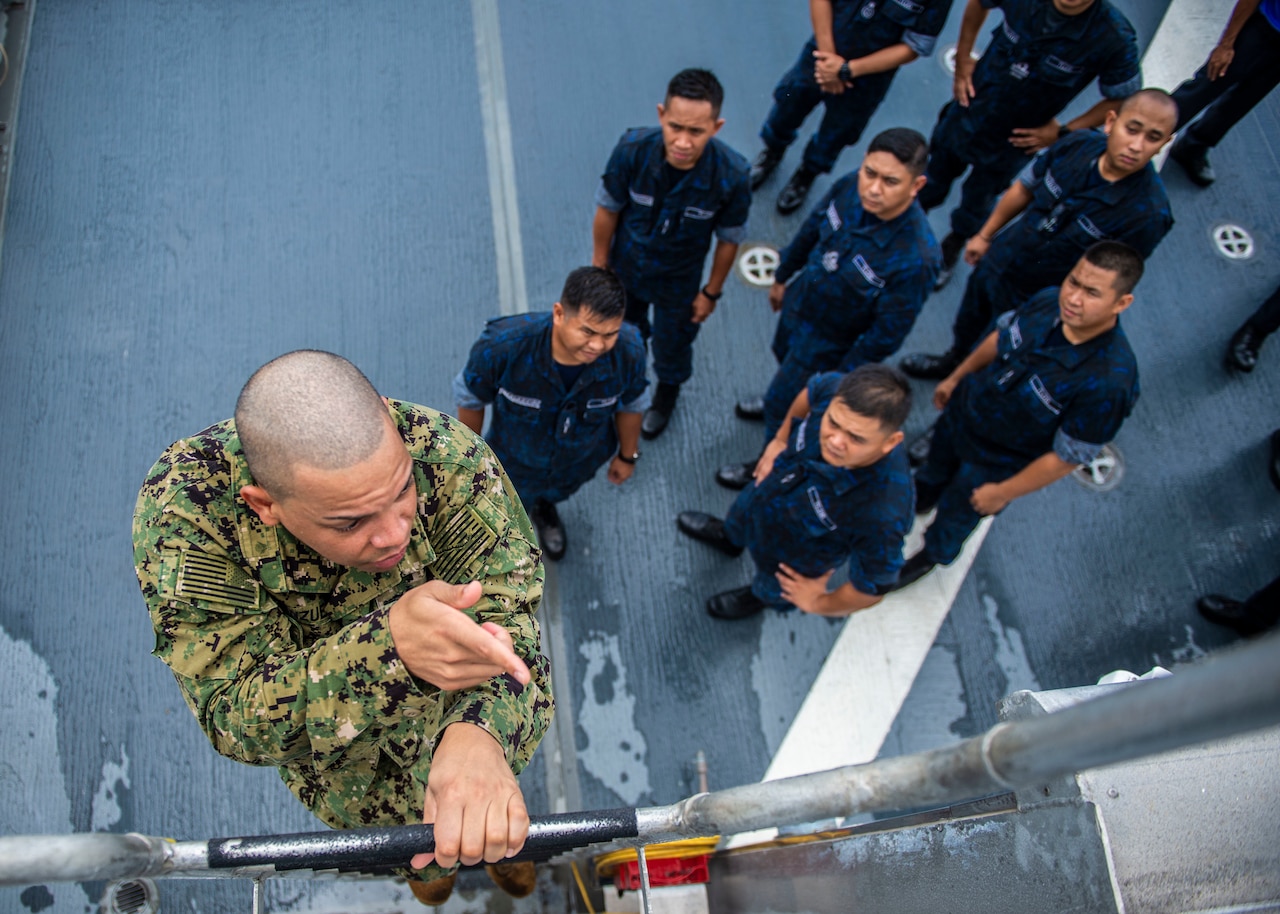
(261,695)
(481,533)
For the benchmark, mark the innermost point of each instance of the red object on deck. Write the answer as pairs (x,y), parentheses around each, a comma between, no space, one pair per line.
(674,871)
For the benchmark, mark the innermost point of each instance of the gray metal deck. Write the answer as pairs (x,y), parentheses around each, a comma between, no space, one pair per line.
(199,187)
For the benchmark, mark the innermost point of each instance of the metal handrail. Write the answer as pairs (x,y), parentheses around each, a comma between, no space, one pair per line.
(1229,693)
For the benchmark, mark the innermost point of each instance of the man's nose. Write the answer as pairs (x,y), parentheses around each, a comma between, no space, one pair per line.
(390,531)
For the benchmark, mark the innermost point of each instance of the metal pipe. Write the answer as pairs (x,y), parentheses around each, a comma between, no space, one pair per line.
(1229,693)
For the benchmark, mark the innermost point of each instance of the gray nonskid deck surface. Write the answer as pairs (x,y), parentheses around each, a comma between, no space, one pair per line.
(200,187)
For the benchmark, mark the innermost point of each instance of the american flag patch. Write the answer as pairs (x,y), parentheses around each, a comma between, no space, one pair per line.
(213,578)
(465,538)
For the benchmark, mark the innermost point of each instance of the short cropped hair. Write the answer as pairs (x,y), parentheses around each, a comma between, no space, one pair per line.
(906,145)
(598,290)
(697,86)
(1120,259)
(1159,96)
(307,407)
(878,392)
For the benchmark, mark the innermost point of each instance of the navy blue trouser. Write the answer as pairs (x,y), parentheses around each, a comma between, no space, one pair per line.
(1266,320)
(843,120)
(794,370)
(948,481)
(1254,71)
(986,297)
(673,334)
(990,177)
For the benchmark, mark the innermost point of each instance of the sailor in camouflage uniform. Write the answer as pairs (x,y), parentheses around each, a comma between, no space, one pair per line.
(358,610)
(832,486)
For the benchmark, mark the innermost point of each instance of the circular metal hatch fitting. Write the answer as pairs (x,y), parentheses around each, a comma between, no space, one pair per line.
(1102,474)
(758,263)
(948,58)
(133,896)
(1232,241)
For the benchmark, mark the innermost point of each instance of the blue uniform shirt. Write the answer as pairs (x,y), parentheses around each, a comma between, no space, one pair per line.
(550,440)
(659,255)
(812,516)
(862,27)
(1071,208)
(1038,397)
(1027,76)
(863,280)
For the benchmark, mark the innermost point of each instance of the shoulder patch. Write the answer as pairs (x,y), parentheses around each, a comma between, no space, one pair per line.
(213,578)
(465,538)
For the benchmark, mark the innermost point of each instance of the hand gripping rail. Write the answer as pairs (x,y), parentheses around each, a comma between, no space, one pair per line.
(1231,692)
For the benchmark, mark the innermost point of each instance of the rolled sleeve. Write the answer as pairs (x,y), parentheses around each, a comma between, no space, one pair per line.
(1120,90)
(462,394)
(731,234)
(639,404)
(923,45)
(1073,450)
(605,200)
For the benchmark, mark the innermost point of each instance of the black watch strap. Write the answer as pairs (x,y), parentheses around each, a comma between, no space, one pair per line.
(631,460)
(715,297)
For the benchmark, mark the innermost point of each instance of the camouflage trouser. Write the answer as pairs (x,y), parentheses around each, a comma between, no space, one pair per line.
(393,797)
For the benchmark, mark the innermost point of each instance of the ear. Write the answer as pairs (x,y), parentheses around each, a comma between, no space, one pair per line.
(719,124)
(557,313)
(1123,302)
(918,184)
(1112,117)
(262,504)
(892,441)
(662,111)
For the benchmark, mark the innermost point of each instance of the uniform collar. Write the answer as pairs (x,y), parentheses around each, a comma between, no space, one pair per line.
(1074,27)
(1073,355)
(879,232)
(698,177)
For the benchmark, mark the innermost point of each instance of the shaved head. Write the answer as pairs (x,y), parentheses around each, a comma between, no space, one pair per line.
(307,407)
(1156,97)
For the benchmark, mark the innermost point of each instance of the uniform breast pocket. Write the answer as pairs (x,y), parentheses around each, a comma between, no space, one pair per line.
(1058,71)
(1039,402)
(520,409)
(864,283)
(808,513)
(696,224)
(903,12)
(599,410)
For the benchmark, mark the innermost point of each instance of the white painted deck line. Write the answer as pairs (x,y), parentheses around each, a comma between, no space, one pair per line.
(865,679)
(1187,33)
(499,158)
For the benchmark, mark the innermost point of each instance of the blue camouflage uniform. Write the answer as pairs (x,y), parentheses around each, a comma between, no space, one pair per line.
(550,440)
(1072,207)
(860,27)
(812,516)
(659,254)
(862,281)
(1041,394)
(1025,78)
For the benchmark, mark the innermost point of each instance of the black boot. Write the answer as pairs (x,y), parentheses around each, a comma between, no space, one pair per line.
(913,570)
(736,475)
(952,245)
(765,164)
(708,529)
(1242,351)
(735,604)
(797,189)
(659,412)
(752,410)
(551,536)
(936,367)
(1194,159)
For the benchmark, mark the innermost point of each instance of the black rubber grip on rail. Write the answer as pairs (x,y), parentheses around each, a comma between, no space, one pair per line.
(358,848)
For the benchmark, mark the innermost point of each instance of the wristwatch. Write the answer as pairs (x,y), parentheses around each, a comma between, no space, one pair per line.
(844,74)
(1063,130)
(715,297)
(631,460)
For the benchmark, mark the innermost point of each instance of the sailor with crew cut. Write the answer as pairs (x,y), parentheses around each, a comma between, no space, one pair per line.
(567,390)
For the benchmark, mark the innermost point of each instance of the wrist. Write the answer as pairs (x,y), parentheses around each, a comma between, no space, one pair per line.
(845,74)
(714,296)
(629,458)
